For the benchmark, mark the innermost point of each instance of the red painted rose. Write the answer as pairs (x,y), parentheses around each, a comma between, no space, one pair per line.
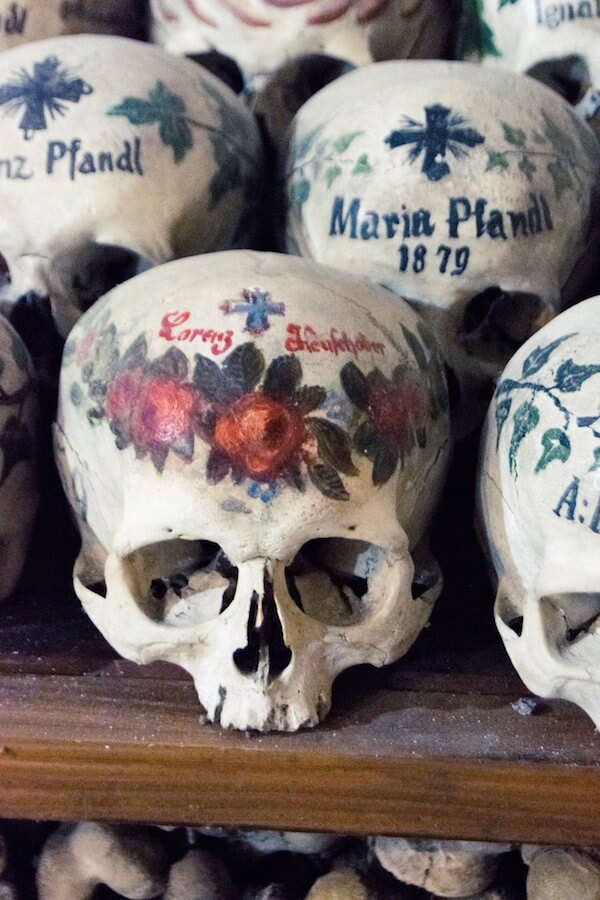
(162,412)
(397,408)
(121,395)
(261,435)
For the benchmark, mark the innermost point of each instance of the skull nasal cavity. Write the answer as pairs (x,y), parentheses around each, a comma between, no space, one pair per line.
(266,646)
(497,322)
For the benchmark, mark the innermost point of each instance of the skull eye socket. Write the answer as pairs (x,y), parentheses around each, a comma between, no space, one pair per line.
(509,615)
(85,274)
(329,579)
(181,582)
(568,76)
(497,322)
(572,616)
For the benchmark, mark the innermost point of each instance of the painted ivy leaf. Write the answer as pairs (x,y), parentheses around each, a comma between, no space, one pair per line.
(230,171)
(538,138)
(245,366)
(596,463)
(327,480)
(299,191)
(135,355)
(503,3)
(525,420)
(343,142)
(210,379)
(334,445)
(384,464)
(560,140)
(362,167)
(556,445)
(309,398)
(496,161)
(561,177)
(283,377)
(538,358)
(305,144)
(587,139)
(527,167)
(417,349)
(355,385)
(162,107)
(502,414)
(570,376)
(76,394)
(331,174)
(514,136)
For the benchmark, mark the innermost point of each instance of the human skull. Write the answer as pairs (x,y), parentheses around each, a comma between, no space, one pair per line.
(260,443)
(261,35)
(114,157)
(33,20)
(469,192)
(539,497)
(18,488)
(557,43)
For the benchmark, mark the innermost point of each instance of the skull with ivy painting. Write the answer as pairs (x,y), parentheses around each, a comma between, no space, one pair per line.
(115,157)
(261,443)
(540,507)
(469,192)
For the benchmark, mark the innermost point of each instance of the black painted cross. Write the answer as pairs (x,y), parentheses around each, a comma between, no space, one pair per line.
(443,131)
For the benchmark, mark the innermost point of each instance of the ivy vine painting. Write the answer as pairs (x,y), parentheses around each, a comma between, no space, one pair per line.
(262,424)
(323,160)
(518,405)
(46,91)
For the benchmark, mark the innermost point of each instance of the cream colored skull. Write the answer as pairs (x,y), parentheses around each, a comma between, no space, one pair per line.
(18,488)
(261,443)
(32,20)
(114,157)
(262,35)
(558,43)
(466,191)
(540,505)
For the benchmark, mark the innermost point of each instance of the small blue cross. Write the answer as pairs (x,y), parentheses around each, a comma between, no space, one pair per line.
(258,307)
(443,131)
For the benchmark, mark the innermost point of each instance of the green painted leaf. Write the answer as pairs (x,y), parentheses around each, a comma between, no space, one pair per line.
(486,40)
(217,466)
(596,463)
(362,166)
(76,394)
(245,366)
(502,414)
(570,376)
(503,3)
(175,132)
(514,136)
(385,463)
(560,176)
(230,172)
(173,363)
(210,379)
(525,420)
(540,356)
(135,355)
(416,347)
(496,161)
(355,385)
(343,142)
(162,107)
(538,138)
(366,440)
(299,191)
(327,480)
(310,398)
(331,174)
(334,445)
(527,167)
(305,144)
(283,377)
(556,445)
(560,140)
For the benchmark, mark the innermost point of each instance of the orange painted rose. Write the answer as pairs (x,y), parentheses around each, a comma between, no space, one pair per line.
(261,435)
(163,411)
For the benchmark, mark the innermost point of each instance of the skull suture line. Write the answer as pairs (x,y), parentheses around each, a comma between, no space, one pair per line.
(261,35)
(540,505)
(557,43)
(261,443)
(18,488)
(114,157)
(34,20)
(466,191)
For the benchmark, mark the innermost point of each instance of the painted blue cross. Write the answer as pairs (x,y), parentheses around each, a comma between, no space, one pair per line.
(42,92)
(443,131)
(258,307)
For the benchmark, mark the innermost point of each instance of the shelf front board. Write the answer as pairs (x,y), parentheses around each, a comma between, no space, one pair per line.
(431,746)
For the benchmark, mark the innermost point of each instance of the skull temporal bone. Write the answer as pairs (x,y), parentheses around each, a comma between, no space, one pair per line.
(285,467)
(539,501)
(115,157)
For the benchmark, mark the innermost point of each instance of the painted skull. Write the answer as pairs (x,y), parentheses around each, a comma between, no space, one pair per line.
(18,487)
(466,191)
(33,20)
(557,43)
(540,507)
(114,157)
(261,443)
(261,35)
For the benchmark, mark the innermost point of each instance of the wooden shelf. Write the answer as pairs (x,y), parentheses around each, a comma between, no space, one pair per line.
(431,746)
